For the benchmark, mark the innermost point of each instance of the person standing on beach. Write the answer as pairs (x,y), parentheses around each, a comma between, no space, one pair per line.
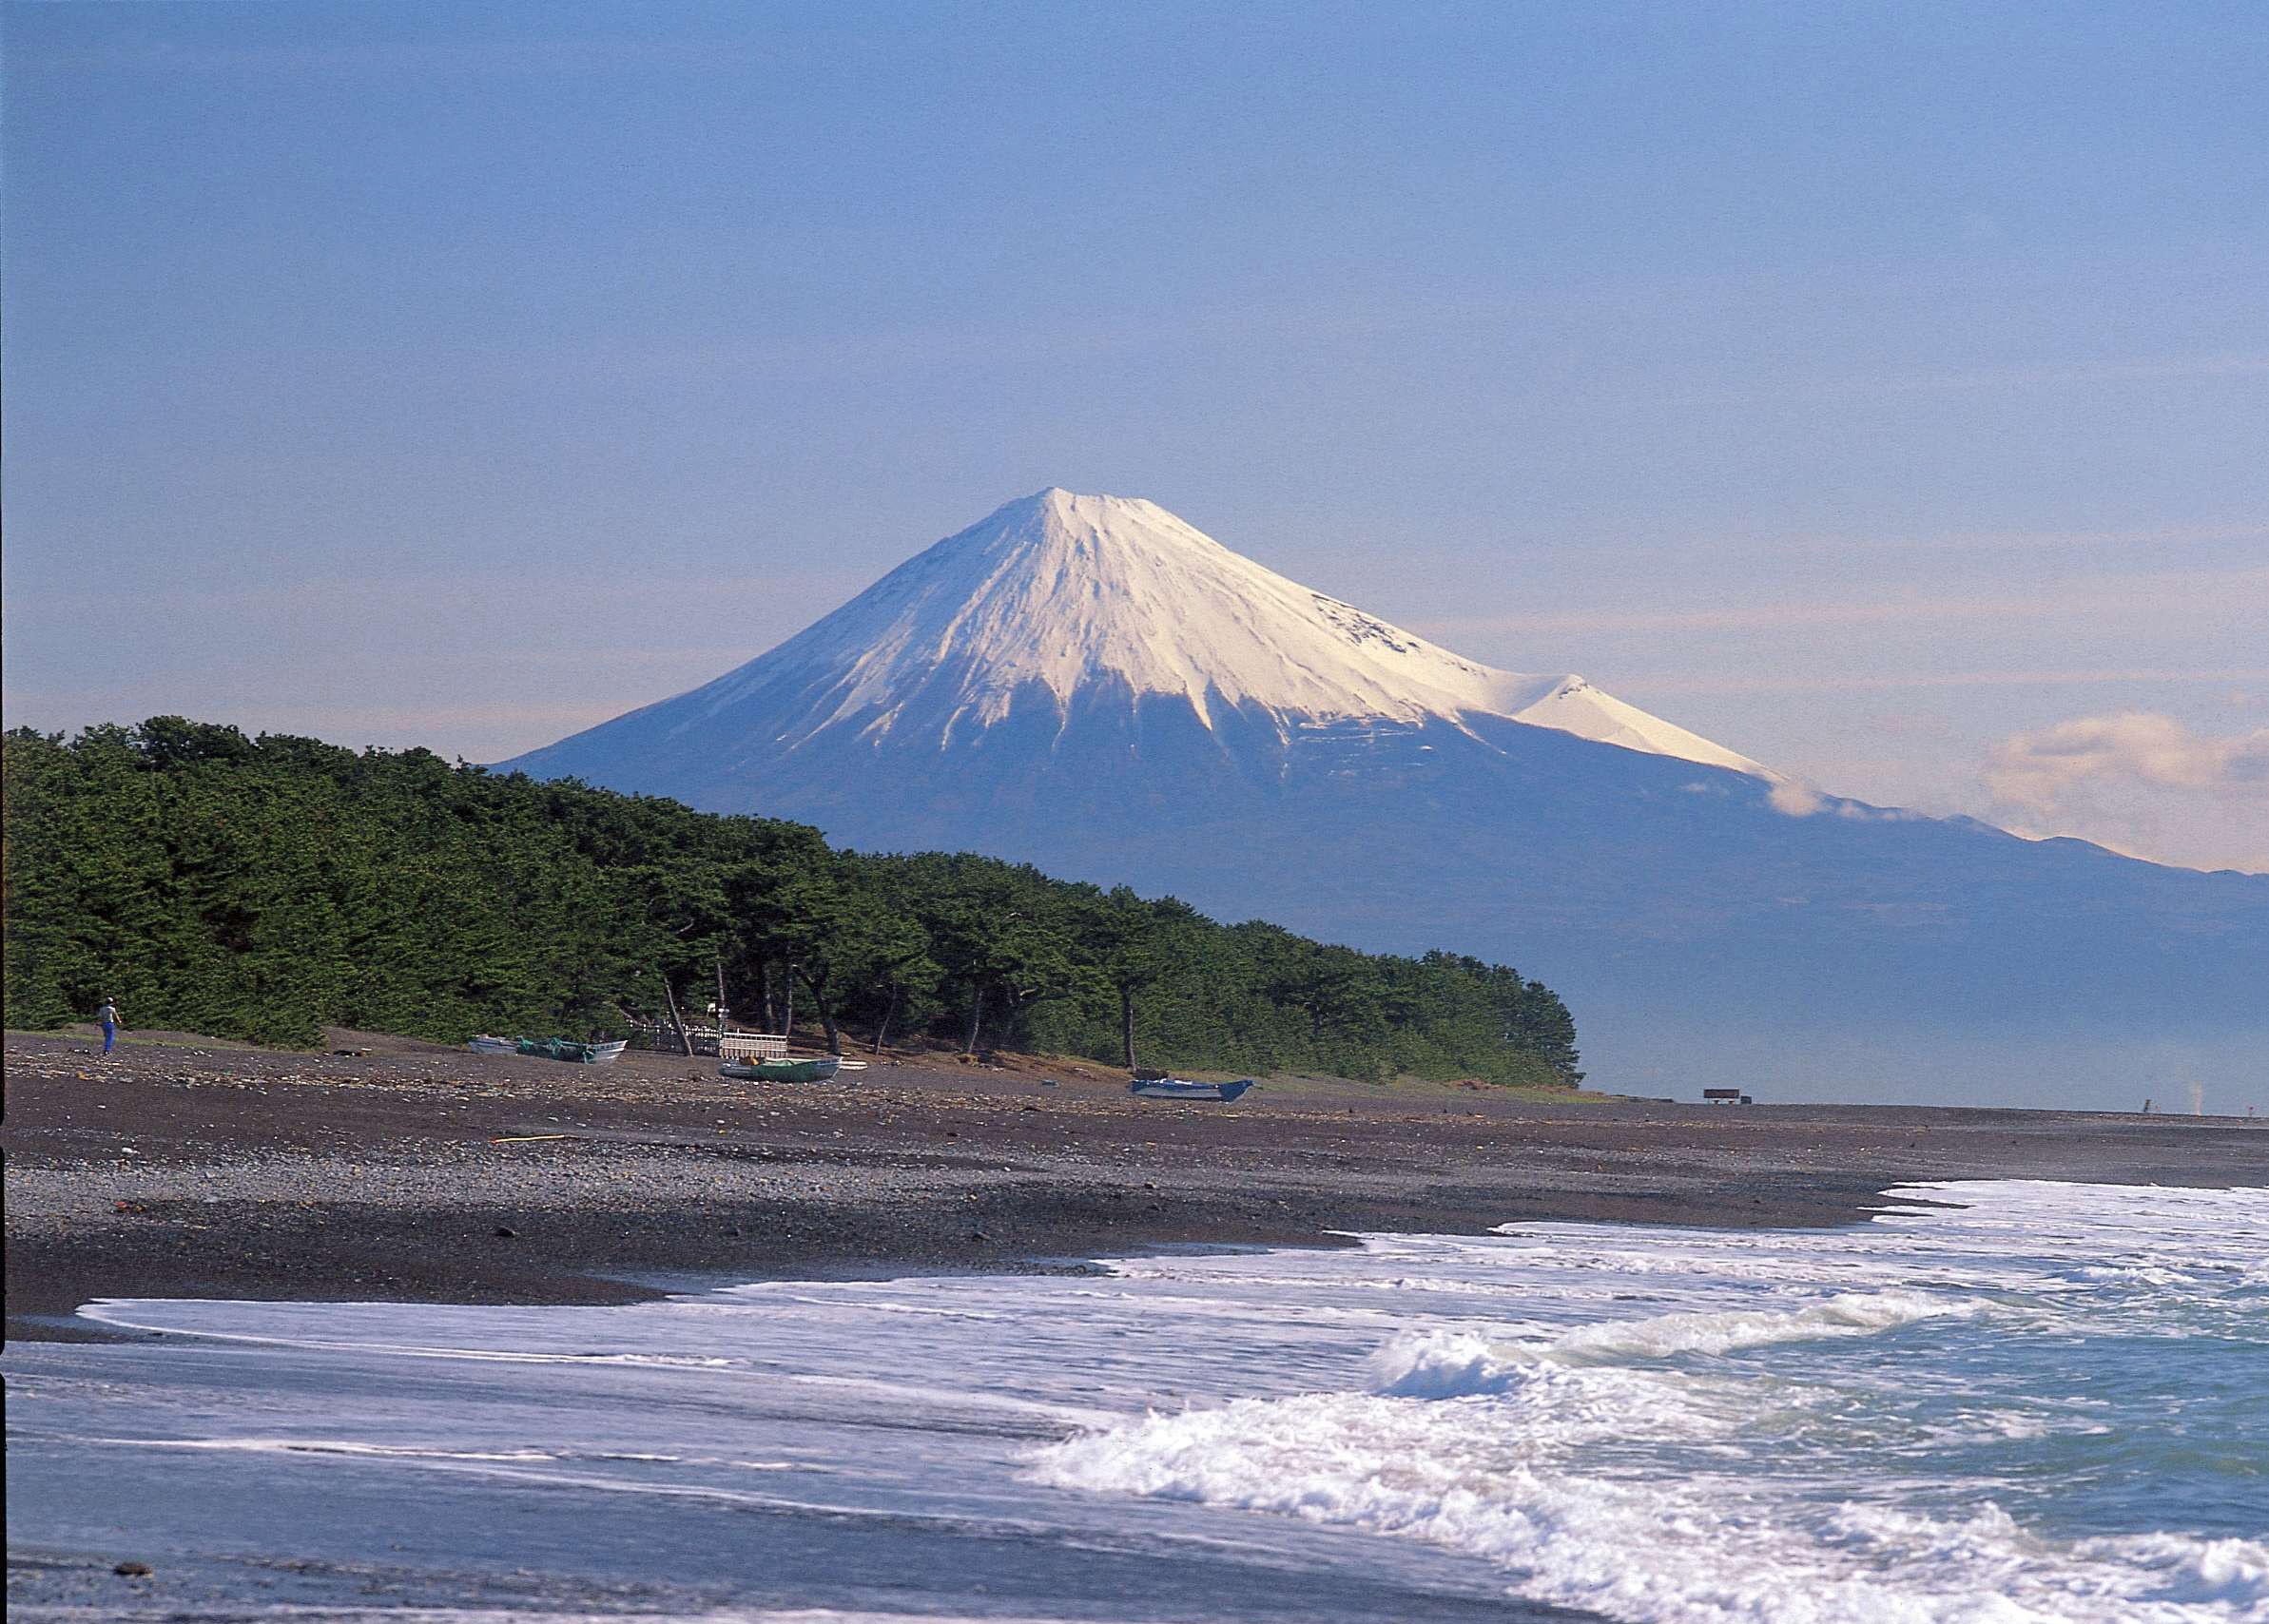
(108,1015)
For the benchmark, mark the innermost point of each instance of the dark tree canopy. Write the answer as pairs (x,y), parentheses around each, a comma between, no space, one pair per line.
(262,888)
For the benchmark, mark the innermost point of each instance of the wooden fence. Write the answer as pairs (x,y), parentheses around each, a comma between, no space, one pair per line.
(662,1037)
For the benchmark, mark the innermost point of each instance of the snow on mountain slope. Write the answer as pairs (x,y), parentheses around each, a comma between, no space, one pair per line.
(1575,706)
(1068,593)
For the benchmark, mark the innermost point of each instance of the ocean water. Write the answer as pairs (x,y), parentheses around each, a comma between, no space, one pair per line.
(1999,1403)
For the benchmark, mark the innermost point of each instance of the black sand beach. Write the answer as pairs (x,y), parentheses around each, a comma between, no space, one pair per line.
(418,1171)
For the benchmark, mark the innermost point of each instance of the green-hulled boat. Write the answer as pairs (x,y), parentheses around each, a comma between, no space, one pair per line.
(553,1049)
(816,1070)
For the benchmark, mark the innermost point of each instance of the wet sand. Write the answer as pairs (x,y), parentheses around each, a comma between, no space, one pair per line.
(421,1172)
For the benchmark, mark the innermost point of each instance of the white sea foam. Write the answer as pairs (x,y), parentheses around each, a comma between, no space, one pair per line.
(2027,1402)
(1441,1364)
(1602,1468)
(1506,1480)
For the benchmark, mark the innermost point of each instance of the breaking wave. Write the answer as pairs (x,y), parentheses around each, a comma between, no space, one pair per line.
(1947,1446)
(1505,1478)
(1448,1365)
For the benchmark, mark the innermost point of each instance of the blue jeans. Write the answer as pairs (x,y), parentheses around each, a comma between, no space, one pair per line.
(110,1035)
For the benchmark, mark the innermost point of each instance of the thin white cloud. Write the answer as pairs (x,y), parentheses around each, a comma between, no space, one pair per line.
(2206,590)
(1975,542)
(1641,688)
(2040,771)
(525,56)
(866,356)
(2144,370)
(1794,800)
(2108,372)
(417,591)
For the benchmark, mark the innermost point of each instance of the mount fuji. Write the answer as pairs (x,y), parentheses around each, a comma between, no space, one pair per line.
(1093,686)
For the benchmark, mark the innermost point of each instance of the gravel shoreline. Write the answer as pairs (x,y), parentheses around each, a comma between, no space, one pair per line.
(421,1172)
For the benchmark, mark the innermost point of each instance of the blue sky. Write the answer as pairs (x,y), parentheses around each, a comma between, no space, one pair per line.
(1878,390)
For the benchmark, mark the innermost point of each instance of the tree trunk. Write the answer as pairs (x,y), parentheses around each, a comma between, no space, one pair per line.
(787,1000)
(889,1013)
(977,1014)
(720,961)
(675,1019)
(764,970)
(1126,1023)
(827,1011)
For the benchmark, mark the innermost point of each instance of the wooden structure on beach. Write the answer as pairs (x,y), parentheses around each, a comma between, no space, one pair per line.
(662,1036)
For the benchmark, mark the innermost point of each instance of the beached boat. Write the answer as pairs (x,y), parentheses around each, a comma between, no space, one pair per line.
(1183,1087)
(818,1068)
(565,1049)
(586,1054)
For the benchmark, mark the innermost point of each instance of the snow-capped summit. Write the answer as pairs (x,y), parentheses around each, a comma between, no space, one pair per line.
(1071,596)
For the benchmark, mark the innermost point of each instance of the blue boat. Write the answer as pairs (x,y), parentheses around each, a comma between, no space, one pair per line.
(1183,1087)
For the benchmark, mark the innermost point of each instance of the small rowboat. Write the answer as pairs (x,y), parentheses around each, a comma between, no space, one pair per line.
(1182,1088)
(553,1049)
(819,1068)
